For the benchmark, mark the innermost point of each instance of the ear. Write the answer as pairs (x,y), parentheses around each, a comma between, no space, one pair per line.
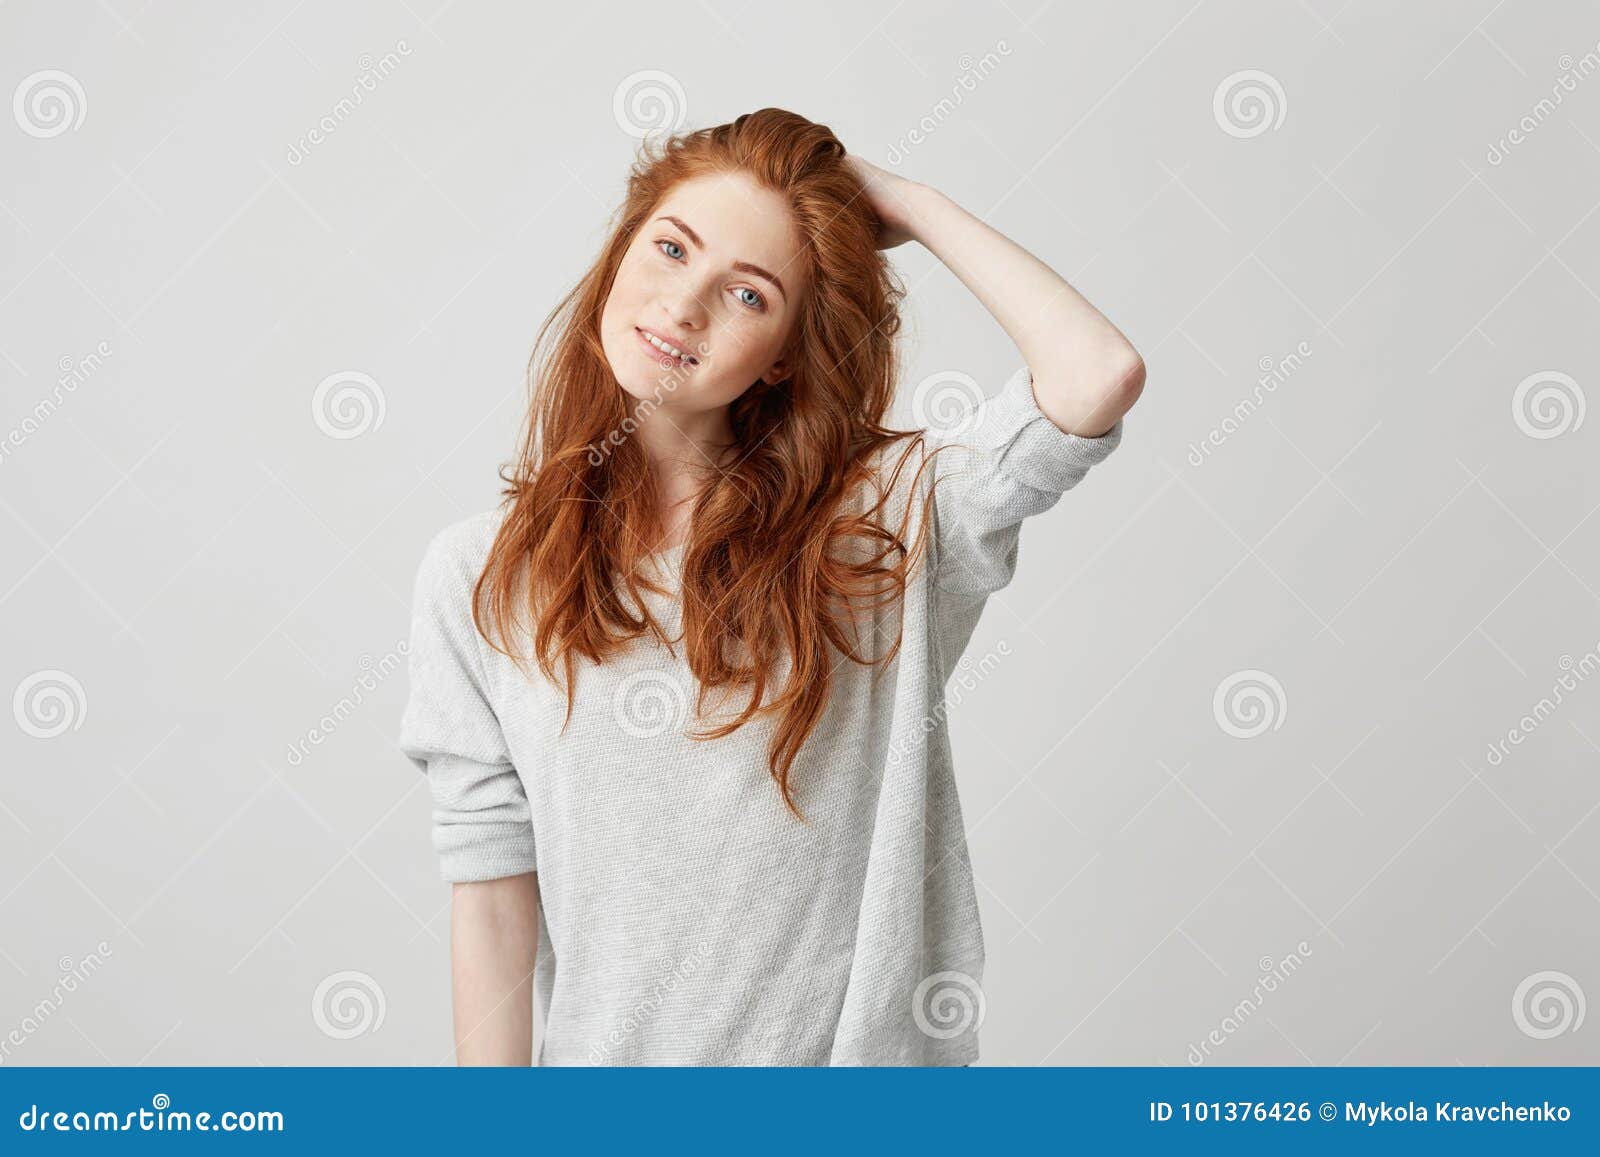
(778,370)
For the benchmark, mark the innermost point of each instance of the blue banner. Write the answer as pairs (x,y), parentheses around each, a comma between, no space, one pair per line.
(743,1110)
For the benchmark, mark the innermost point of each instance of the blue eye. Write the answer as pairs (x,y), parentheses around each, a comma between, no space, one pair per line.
(755,301)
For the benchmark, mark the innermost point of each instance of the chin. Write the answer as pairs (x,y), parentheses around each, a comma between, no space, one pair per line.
(641,378)
(642,389)
(640,383)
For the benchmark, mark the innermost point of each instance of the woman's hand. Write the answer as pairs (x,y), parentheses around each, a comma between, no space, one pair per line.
(892,197)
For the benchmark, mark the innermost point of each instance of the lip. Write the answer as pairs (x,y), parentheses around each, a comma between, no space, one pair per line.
(641,331)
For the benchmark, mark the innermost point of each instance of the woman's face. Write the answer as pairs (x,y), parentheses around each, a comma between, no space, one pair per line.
(713,272)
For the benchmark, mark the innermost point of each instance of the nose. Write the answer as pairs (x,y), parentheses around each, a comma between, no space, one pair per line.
(687,311)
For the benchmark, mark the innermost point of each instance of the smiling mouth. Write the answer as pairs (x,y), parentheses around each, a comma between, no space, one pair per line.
(685,359)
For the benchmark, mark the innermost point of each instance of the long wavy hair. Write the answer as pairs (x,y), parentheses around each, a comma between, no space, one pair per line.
(784,560)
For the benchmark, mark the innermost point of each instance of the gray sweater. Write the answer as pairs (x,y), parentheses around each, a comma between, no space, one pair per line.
(686,917)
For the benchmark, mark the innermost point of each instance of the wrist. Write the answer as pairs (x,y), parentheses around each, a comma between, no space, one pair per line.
(917,205)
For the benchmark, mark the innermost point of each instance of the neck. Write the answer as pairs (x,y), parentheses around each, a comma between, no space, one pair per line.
(674,440)
(685,452)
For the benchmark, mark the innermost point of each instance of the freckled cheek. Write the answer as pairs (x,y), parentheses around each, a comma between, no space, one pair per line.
(636,270)
(739,345)
(635,282)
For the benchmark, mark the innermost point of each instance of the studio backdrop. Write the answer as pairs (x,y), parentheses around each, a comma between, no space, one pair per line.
(1282,746)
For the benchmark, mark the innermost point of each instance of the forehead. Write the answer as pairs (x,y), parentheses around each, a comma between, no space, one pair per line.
(737,219)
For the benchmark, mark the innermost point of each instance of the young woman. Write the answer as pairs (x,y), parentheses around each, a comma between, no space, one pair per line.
(679,697)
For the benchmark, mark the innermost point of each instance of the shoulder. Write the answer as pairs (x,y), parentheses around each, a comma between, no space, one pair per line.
(897,484)
(895,465)
(455,555)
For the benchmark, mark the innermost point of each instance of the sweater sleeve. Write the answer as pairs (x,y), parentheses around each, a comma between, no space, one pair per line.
(482,828)
(1006,462)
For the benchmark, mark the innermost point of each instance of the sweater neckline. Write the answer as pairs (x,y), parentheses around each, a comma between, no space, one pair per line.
(668,562)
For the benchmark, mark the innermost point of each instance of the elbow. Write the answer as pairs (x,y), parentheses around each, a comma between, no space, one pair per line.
(1113,374)
(1128,378)
(1107,383)
(1122,383)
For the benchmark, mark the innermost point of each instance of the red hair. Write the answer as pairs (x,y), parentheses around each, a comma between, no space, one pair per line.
(782,556)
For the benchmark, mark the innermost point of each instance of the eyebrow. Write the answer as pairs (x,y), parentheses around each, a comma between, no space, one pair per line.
(742,266)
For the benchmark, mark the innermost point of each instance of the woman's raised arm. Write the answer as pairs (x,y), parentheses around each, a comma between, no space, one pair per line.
(1086,374)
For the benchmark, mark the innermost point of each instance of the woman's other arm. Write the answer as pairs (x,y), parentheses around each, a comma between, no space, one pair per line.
(494,940)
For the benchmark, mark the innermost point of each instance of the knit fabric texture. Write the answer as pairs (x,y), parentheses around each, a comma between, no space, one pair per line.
(686,917)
